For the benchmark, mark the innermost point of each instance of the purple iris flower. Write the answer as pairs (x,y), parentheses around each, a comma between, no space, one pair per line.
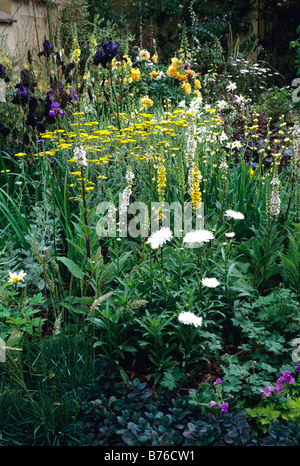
(4,130)
(2,71)
(48,48)
(74,94)
(110,48)
(56,110)
(3,74)
(31,120)
(21,96)
(104,57)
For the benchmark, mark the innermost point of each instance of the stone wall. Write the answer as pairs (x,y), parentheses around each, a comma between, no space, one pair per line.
(25,23)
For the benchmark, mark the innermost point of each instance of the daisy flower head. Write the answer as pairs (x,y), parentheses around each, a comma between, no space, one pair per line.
(16,278)
(160,237)
(210,282)
(231,234)
(234,214)
(189,318)
(197,237)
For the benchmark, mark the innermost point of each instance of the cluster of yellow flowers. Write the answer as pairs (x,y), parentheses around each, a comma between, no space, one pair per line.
(196,193)
(145,55)
(186,76)
(76,53)
(146,102)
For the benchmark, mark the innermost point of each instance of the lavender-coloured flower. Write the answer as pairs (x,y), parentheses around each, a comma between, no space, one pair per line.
(267,391)
(286,378)
(277,388)
(217,381)
(74,93)
(224,407)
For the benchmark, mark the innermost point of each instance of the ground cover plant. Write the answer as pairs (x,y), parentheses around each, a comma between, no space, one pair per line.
(149,254)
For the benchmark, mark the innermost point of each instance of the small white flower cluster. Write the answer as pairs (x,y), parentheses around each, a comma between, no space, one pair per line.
(125,196)
(275,204)
(80,156)
(234,145)
(223,167)
(275,197)
(191,146)
(222,104)
(195,105)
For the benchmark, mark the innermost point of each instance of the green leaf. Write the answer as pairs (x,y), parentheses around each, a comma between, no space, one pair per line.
(72,267)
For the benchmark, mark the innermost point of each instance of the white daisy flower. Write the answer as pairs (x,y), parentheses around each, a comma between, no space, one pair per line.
(235,215)
(16,278)
(198,237)
(210,282)
(189,318)
(230,235)
(160,237)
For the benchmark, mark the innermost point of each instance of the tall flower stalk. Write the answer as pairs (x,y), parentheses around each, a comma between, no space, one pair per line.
(80,157)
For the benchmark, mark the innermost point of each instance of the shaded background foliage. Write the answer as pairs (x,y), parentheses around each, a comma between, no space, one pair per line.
(277,22)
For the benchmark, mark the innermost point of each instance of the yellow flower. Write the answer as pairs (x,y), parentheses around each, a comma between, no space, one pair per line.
(197,84)
(181,77)
(144,55)
(76,55)
(135,74)
(175,62)
(186,88)
(190,73)
(171,71)
(154,58)
(161,181)
(153,74)
(196,193)
(146,102)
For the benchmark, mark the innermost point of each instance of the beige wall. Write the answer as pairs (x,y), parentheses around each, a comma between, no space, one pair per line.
(30,24)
